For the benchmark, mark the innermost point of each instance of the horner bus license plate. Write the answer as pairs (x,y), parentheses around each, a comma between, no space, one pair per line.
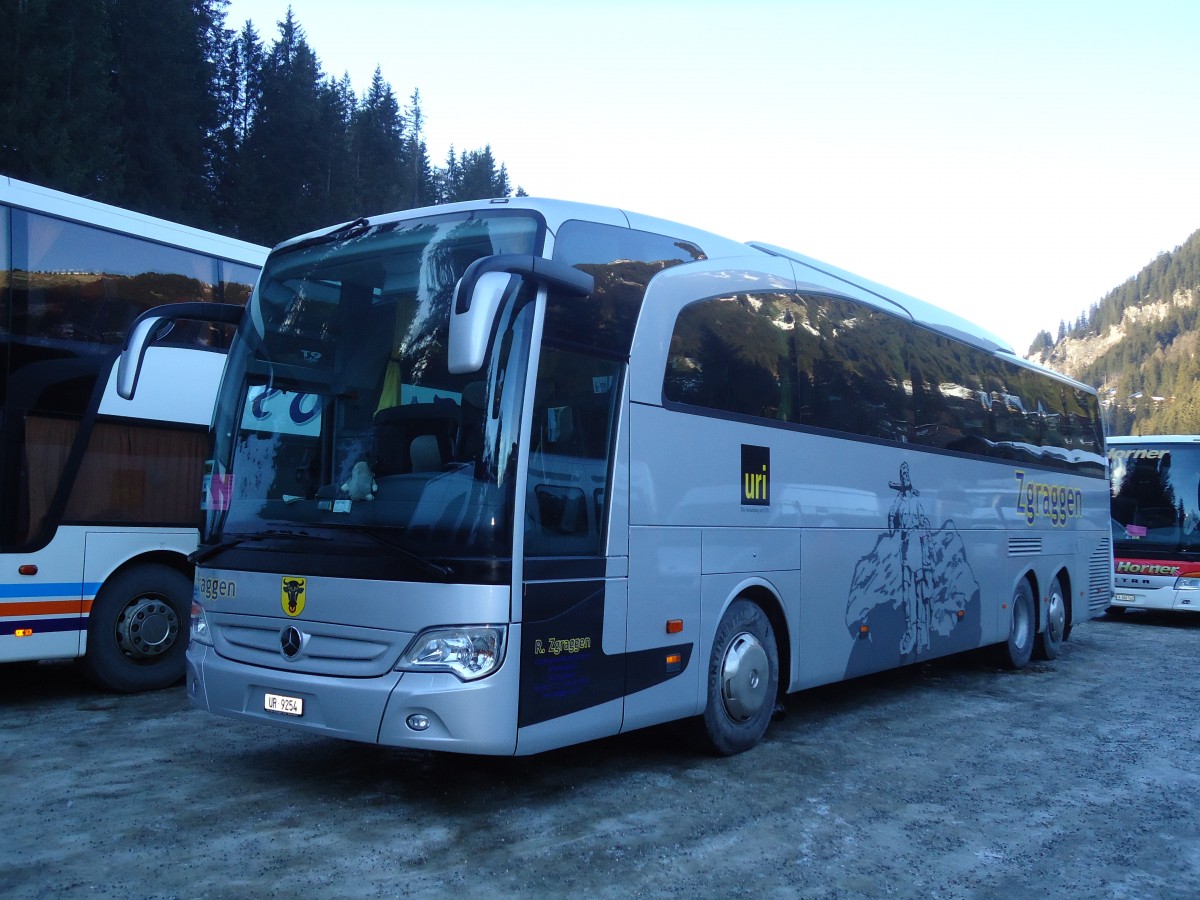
(289,706)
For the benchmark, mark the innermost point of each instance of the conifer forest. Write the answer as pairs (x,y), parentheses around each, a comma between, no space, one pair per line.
(161,106)
(1140,345)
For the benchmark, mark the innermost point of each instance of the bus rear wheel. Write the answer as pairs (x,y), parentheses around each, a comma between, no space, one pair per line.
(1050,640)
(1016,652)
(743,680)
(137,631)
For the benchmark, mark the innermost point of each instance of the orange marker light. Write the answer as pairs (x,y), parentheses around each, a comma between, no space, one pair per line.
(23,632)
(863,630)
(27,569)
(674,662)
(674,626)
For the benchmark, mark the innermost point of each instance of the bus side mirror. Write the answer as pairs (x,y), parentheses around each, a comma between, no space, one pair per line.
(154,324)
(129,366)
(481,291)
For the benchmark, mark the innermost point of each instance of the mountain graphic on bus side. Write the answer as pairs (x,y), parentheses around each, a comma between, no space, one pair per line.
(914,589)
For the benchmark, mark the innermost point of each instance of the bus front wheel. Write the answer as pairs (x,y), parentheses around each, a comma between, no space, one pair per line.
(1016,652)
(138,628)
(743,679)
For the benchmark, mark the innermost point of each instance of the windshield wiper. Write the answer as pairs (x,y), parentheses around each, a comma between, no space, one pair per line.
(433,568)
(348,230)
(205,551)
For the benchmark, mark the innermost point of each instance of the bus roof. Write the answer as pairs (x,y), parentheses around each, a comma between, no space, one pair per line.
(35,198)
(556,212)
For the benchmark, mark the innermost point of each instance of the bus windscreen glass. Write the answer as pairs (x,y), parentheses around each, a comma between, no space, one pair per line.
(351,427)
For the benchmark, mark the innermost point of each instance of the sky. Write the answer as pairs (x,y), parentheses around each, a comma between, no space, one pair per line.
(1012,162)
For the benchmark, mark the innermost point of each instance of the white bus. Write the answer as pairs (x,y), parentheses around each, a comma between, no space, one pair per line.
(503,476)
(98,495)
(1156,522)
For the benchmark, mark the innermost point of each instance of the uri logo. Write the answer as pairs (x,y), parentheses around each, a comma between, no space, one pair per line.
(914,593)
(293,595)
(756,475)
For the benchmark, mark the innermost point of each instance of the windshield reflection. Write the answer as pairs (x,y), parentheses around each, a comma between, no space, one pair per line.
(338,412)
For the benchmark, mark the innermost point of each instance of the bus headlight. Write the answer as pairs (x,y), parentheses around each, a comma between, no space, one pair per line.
(199,631)
(469,652)
(1187,583)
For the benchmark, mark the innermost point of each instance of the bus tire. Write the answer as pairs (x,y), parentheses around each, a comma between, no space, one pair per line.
(138,629)
(743,680)
(1016,651)
(1049,642)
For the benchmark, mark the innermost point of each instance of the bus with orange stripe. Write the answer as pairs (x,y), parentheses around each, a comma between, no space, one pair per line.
(97,494)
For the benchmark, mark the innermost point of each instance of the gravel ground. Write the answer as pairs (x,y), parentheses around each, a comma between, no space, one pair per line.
(1077,778)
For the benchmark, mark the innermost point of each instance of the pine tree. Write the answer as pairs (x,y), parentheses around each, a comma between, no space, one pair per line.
(57,111)
(420,186)
(1041,343)
(238,90)
(285,172)
(163,77)
(474,176)
(378,150)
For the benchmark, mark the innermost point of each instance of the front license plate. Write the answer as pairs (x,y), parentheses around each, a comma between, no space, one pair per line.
(278,703)
(1125,598)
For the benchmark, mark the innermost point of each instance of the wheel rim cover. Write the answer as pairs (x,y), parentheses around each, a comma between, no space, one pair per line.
(744,677)
(1021,624)
(147,628)
(1056,616)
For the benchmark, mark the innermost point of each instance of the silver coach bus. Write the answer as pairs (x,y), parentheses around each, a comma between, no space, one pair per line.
(498,477)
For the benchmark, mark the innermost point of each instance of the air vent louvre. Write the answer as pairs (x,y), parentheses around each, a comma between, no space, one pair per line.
(1100,571)
(1024,546)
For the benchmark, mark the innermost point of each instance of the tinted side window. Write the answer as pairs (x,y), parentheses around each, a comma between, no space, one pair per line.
(5,295)
(829,363)
(574,415)
(80,287)
(817,361)
(733,354)
(75,292)
(622,261)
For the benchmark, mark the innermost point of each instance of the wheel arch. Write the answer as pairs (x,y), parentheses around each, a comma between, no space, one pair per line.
(173,559)
(1064,580)
(1062,573)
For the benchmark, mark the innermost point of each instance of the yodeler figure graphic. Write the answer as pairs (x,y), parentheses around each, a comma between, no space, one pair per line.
(907,519)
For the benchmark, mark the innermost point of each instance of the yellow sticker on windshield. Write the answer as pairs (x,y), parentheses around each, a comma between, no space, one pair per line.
(292,596)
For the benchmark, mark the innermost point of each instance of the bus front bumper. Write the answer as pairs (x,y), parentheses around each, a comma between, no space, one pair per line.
(1164,599)
(427,711)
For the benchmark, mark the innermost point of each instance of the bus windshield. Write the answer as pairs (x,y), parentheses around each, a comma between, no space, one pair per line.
(1155,496)
(350,426)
